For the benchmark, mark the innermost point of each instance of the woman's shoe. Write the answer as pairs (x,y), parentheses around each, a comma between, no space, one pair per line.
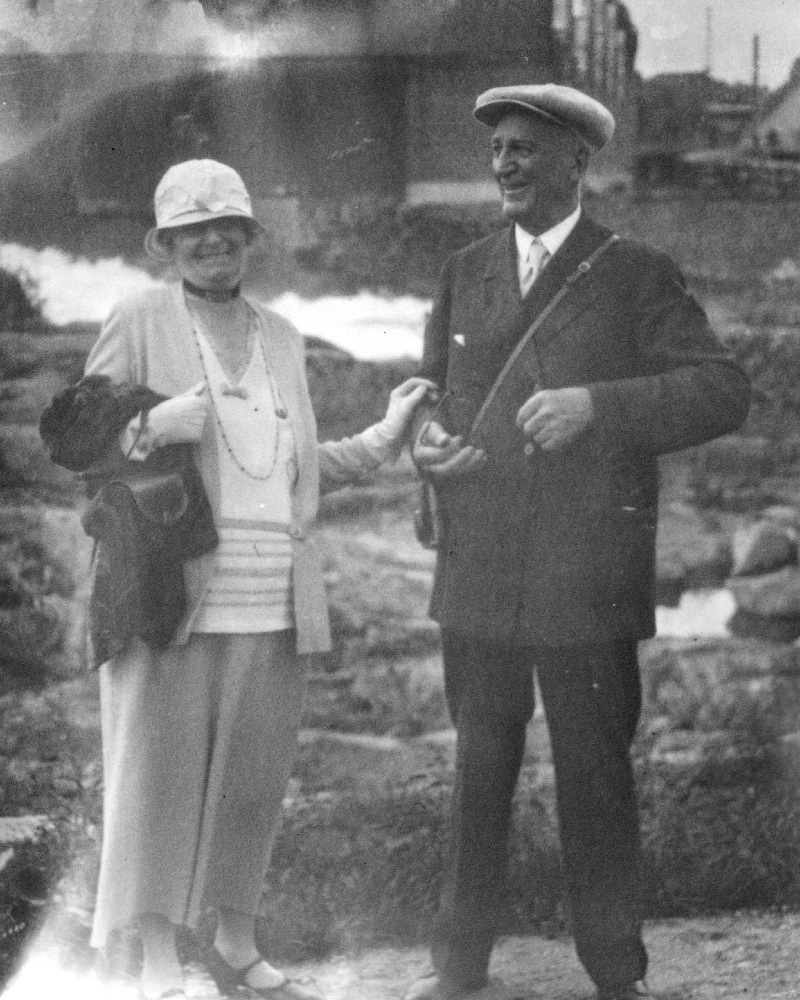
(232,982)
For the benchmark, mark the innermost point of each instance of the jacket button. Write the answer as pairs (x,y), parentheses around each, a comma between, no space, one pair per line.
(295,531)
(529,448)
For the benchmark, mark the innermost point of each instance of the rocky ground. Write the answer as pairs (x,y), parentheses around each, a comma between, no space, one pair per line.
(376,715)
(738,956)
(744,956)
(376,711)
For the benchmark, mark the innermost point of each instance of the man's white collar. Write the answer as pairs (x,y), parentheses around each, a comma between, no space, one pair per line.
(553,239)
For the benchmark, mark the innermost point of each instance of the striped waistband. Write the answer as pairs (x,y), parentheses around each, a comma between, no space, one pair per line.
(248,524)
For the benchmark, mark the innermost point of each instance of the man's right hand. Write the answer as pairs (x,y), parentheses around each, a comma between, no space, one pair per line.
(439,455)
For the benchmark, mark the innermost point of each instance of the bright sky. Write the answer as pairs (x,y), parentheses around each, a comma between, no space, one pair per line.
(672,36)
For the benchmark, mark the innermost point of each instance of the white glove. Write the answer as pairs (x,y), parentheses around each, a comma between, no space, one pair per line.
(176,420)
(385,439)
(179,420)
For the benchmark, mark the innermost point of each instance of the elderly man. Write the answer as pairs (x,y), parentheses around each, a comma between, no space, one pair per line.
(567,359)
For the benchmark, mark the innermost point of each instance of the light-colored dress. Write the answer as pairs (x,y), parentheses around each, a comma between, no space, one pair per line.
(198,740)
(251,584)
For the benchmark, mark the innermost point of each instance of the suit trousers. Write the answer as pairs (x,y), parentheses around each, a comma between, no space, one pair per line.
(592,701)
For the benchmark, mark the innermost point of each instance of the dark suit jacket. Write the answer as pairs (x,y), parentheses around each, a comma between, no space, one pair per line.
(558,548)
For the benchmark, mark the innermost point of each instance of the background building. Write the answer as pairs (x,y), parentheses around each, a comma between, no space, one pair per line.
(308,100)
(778,129)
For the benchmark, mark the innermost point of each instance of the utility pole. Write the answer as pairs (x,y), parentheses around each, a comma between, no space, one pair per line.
(709,39)
(756,87)
(756,66)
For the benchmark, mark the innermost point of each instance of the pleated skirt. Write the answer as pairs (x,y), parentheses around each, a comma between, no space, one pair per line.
(198,743)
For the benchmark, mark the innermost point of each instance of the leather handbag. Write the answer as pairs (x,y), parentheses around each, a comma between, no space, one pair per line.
(148,518)
(168,498)
(161,499)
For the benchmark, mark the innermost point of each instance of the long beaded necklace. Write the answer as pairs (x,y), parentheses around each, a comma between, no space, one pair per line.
(280,412)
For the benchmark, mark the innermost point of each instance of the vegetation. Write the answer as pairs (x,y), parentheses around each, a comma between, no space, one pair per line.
(354,867)
(725,247)
(349,395)
(20,308)
(30,626)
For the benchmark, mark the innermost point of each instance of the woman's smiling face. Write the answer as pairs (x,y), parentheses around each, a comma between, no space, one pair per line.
(212,254)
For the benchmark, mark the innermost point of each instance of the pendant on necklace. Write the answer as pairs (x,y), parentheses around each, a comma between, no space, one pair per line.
(234,390)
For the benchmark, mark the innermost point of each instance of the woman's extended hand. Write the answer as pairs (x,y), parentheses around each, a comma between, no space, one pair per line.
(180,419)
(403,401)
(385,440)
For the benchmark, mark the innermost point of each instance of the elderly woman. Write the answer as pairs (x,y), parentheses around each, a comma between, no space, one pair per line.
(199,731)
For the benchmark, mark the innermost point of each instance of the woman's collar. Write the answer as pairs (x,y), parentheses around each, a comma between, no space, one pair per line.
(212,295)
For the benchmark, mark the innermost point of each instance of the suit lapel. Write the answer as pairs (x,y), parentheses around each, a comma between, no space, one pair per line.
(564,302)
(506,315)
(585,238)
(580,244)
(501,301)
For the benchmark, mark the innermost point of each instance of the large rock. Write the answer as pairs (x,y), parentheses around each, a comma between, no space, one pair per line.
(44,634)
(69,548)
(762,547)
(25,463)
(727,659)
(689,552)
(789,747)
(746,626)
(770,595)
(356,761)
(719,684)
(784,514)
(64,539)
(29,636)
(23,355)
(737,455)
(22,400)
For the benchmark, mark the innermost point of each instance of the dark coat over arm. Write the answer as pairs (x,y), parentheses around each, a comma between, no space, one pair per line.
(557,548)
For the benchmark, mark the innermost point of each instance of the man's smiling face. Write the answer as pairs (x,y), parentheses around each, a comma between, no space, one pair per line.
(538,166)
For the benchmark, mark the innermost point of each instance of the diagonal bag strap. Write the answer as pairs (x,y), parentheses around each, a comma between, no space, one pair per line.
(583,268)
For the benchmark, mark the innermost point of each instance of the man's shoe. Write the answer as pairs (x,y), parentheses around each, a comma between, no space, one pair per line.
(434,988)
(633,991)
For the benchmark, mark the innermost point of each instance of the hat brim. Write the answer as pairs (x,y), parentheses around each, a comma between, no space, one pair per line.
(157,251)
(491,112)
(204,215)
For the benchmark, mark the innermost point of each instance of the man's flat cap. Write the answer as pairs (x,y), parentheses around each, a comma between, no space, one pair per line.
(570,108)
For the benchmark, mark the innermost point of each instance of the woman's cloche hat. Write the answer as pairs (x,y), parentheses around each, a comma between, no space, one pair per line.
(196,191)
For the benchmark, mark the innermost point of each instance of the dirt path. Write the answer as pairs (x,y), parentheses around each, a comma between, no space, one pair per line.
(741,956)
(731,957)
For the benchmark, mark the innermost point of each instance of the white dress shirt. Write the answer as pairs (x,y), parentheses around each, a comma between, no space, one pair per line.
(552,240)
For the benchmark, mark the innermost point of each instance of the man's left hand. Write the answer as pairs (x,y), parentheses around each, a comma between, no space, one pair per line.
(554,418)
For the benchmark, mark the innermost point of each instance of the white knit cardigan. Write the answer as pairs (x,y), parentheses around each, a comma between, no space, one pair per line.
(148,340)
